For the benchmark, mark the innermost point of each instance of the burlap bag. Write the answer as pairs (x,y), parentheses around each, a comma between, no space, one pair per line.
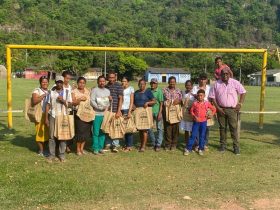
(85,111)
(33,113)
(210,122)
(115,128)
(128,125)
(173,113)
(64,126)
(143,118)
(105,126)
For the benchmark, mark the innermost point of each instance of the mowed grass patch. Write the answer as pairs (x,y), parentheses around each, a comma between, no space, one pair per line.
(140,180)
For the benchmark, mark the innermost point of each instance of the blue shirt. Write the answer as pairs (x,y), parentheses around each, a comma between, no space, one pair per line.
(141,98)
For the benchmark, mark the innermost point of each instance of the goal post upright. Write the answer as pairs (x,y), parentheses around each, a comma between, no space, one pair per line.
(129,49)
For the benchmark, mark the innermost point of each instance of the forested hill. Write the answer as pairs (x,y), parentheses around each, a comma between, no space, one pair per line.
(147,23)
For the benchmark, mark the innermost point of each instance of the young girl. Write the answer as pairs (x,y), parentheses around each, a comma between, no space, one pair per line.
(188,98)
(128,100)
(200,115)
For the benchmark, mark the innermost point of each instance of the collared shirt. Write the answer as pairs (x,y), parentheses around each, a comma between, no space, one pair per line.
(116,90)
(207,91)
(56,107)
(172,94)
(159,98)
(227,95)
(200,109)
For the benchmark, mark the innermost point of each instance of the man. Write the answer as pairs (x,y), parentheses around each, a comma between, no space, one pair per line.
(116,93)
(157,115)
(224,95)
(58,101)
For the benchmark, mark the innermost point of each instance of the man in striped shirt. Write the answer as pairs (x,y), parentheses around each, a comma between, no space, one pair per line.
(116,93)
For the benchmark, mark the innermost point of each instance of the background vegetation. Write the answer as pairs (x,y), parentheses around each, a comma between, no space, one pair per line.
(145,23)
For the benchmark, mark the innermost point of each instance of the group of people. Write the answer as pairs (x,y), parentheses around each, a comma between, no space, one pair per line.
(199,105)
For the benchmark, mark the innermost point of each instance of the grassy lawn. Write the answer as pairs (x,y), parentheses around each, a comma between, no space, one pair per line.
(143,181)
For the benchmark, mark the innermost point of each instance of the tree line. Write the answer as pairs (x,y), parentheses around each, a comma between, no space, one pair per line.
(140,23)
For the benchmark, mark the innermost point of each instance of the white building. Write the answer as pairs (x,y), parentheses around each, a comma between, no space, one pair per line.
(272,78)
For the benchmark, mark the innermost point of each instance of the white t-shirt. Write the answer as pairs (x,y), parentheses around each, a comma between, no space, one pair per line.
(126,97)
(207,90)
(40,91)
(56,106)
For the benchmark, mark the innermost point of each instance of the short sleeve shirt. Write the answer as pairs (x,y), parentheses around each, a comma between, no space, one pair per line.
(116,90)
(40,91)
(141,98)
(126,97)
(172,94)
(56,107)
(158,95)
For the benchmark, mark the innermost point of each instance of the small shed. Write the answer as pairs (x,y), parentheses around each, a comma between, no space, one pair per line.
(272,78)
(163,74)
(92,73)
(34,73)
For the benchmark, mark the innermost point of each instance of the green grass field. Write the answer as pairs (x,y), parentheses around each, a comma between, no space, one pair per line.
(143,181)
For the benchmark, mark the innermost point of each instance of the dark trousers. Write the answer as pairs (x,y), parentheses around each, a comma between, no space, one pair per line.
(53,142)
(230,119)
(128,137)
(171,133)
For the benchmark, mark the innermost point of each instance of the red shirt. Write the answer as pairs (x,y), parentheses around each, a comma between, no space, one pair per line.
(218,71)
(199,110)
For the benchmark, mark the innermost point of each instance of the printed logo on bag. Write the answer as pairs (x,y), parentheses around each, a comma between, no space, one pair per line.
(143,115)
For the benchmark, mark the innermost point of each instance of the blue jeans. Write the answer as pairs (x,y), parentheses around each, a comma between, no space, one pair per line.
(156,139)
(128,137)
(198,128)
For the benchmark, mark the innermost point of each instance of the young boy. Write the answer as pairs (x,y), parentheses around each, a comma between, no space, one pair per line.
(200,114)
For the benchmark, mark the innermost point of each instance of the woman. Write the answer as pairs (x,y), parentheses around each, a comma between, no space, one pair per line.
(40,95)
(143,98)
(82,129)
(100,101)
(128,100)
(172,95)
(188,98)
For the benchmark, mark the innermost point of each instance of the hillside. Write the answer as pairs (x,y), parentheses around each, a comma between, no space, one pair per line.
(147,23)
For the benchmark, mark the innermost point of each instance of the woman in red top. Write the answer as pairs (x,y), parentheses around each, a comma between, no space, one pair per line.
(200,113)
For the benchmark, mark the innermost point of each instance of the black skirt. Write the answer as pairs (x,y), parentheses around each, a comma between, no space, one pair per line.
(82,129)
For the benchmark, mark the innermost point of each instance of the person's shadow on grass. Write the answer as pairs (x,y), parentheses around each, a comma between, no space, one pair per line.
(16,138)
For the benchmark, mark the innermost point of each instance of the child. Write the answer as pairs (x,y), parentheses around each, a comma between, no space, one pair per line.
(187,121)
(199,111)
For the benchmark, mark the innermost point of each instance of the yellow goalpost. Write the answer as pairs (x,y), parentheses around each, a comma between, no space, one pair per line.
(131,49)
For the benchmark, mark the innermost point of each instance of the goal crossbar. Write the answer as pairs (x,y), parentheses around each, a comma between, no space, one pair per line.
(130,49)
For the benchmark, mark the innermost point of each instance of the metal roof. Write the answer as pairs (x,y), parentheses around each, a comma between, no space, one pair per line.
(167,70)
(268,72)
